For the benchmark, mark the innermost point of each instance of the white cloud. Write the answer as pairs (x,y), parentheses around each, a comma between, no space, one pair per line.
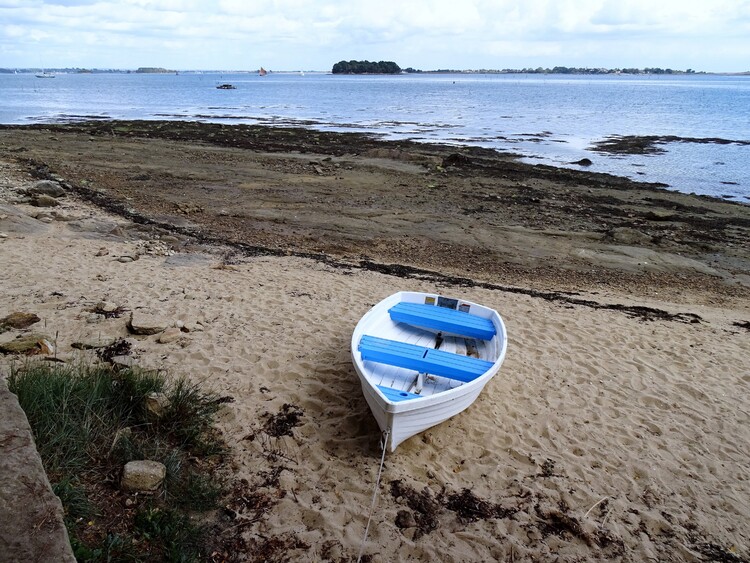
(431,33)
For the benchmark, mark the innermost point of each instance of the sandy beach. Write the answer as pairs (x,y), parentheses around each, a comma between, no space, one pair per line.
(617,428)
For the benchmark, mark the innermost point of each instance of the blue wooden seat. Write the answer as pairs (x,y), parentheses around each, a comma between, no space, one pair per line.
(443,319)
(421,359)
(396,395)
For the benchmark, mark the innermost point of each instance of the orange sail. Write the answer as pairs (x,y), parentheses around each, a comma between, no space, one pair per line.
(262,71)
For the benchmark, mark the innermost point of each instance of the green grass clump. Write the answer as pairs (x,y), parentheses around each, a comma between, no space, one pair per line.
(88,421)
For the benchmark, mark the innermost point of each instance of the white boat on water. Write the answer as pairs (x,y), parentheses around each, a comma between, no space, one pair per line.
(423,358)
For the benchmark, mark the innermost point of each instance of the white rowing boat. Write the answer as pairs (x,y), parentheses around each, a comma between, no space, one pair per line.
(423,358)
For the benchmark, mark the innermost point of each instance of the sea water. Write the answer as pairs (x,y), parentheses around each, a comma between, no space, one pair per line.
(549,119)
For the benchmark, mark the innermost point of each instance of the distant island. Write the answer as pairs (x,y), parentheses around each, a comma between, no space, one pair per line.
(153,70)
(366,67)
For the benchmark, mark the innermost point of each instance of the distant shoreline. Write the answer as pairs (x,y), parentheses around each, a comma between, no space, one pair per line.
(554,71)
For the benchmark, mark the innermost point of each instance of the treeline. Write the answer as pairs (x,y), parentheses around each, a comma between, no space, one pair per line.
(579,70)
(153,70)
(559,70)
(67,70)
(366,67)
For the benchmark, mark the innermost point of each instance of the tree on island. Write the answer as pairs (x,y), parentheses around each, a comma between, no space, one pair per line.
(153,70)
(366,67)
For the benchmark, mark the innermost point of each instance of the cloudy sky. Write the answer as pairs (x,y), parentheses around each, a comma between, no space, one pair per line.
(710,35)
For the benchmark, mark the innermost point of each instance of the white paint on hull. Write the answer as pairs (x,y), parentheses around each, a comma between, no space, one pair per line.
(441,398)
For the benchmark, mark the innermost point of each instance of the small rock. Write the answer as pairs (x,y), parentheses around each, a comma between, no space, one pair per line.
(44,201)
(106,307)
(405,519)
(29,345)
(19,320)
(102,251)
(126,259)
(156,404)
(46,187)
(145,326)
(143,476)
(659,215)
(583,162)
(46,347)
(456,159)
(188,208)
(169,335)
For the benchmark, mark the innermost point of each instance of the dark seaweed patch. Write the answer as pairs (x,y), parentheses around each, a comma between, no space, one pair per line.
(713,552)
(471,508)
(426,507)
(653,144)
(281,424)
(119,347)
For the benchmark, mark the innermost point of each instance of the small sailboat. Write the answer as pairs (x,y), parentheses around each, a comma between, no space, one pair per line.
(422,358)
(262,72)
(45,74)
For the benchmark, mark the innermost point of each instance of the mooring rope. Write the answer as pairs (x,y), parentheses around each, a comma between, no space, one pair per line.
(384,445)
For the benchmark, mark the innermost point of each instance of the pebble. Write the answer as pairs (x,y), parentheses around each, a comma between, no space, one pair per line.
(170,335)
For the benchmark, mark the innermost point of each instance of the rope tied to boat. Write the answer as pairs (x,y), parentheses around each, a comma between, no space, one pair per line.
(384,446)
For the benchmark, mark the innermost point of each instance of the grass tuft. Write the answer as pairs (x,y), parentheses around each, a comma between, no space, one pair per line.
(88,421)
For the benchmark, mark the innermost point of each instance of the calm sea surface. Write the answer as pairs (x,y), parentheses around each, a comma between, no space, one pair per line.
(548,119)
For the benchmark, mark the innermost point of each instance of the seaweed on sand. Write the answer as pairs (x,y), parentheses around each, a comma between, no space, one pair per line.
(471,508)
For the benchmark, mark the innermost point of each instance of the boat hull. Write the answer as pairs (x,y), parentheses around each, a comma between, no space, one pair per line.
(402,419)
